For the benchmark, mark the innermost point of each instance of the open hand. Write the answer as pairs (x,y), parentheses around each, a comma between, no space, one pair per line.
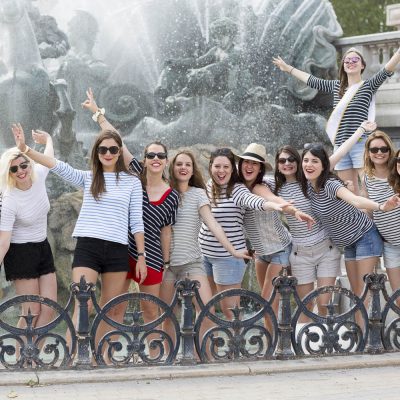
(281,64)
(369,126)
(40,137)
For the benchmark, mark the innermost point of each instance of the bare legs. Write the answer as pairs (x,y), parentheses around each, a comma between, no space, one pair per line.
(352,175)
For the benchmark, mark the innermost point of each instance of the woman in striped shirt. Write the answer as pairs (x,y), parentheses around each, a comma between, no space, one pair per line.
(112,203)
(338,210)
(353,103)
(314,258)
(379,152)
(229,200)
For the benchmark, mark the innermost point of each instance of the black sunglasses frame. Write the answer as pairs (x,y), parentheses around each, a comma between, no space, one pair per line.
(152,155)
(383,149)
(14,168)
(112,149)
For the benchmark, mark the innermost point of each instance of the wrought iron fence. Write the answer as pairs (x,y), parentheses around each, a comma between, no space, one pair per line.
(249,330)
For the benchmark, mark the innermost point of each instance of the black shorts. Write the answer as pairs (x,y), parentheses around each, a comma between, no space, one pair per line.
(101,255)
(28,260)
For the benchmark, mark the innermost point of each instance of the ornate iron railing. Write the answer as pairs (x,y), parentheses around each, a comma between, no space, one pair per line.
(178,335)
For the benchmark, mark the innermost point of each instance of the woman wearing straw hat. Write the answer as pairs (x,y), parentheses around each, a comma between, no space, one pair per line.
(269,238)
(353,103)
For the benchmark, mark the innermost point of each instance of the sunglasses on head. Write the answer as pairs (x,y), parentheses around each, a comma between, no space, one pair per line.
(283,160)
(375,150)
(112,149)
(313,146)
(23,165)
(224,151)
(351,60)
(152,155)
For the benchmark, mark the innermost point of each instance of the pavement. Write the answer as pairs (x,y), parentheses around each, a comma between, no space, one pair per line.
(242,368)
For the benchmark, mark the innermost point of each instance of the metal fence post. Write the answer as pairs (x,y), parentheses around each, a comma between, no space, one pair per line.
(376,284)
(285,285)
(186,290)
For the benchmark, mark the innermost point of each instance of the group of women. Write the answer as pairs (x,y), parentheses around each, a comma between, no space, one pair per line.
(138,223)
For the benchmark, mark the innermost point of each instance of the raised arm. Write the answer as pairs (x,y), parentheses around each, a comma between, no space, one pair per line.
(91,105)
(219,233)
(297,73)
(366,127)
(393,62)
(36,156)
(42,137)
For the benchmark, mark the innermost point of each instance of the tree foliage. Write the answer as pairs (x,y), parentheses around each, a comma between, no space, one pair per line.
(361,17)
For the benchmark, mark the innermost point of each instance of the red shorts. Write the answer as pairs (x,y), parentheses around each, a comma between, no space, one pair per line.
(153,277)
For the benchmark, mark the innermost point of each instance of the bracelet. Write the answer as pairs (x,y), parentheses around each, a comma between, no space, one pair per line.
(27,148)
(363,129)
(166,264)
(96,115)
(379,207)
(290,72)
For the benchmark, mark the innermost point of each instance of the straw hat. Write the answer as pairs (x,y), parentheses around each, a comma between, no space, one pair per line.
(256,152)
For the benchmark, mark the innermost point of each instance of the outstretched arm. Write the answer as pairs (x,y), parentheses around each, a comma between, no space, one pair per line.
(36,156)
(91,105)
(393,62)
(366,127)
(297,73)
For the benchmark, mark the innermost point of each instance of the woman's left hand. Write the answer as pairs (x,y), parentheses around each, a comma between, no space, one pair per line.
(40,137)
(391,203)
(304,217)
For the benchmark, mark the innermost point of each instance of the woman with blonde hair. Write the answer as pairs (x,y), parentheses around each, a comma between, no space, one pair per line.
(378,159)
(353,103)
(27,256)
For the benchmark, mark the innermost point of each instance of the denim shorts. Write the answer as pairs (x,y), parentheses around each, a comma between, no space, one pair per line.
(391,255)
(279,258)
(225,270)
(354,158)
(369,245)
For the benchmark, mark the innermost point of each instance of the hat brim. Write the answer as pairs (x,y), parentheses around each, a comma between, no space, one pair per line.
(268,166)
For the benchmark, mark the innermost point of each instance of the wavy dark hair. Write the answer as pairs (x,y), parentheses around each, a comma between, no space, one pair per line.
(394,177)
(196,180)
(215,187)
(98,186)
(280,179)
(259,177)
(318,150)
(343,78)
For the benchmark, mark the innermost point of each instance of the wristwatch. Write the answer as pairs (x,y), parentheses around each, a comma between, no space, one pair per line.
(100,111)
(141,254)
(166,264)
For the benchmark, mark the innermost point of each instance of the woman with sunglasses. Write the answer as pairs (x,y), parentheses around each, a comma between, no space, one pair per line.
(378,156)
(314,257)
(27,256)
(160,203)
(338,209)
(112,202)
(229,201)
(353,103)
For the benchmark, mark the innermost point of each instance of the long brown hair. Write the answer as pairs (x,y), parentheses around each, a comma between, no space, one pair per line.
(215,187)
(394,177)
(143,174)
(98,185)
(343,78)
(280,179)
(259,177)
(196,180)
(369,166)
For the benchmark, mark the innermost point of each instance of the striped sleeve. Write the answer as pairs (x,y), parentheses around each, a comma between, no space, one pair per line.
(136,208)
(242,197)
(136,166)
(323,85)
(74,176)
(376,80)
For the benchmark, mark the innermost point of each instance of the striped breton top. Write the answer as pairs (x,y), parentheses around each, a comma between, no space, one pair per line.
(301,235)
(185,233)
(344,222)
(229,212)
(266,232)
(357,109)
(118,209)
(156,215)
(24,212)
(387,222)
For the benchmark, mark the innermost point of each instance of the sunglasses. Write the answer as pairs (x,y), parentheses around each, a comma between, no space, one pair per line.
(351,60)
(313,146)
(224,151)
(112,149)
(160,156)
(375,150)
(14,168)
(397,160)
(284,160)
